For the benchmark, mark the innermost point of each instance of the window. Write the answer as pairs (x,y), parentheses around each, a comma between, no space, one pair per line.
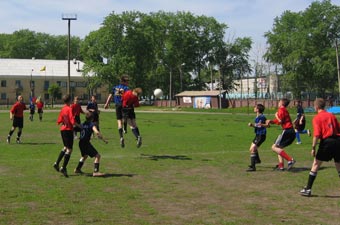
(3,83)
(3,96)
(62,83)
(46,85)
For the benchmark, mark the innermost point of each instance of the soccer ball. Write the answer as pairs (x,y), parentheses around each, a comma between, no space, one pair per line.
(158,93)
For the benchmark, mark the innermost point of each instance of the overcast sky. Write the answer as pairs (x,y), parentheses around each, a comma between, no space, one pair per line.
(245,18)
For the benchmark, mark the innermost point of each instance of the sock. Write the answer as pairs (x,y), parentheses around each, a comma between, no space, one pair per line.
(60,156)
(80,165)
(252,160)
(257,157)
(339,173)
(96,167)
(66,159)
(135,132)
(285,156)
(281,165)
(311,178)
(125,125)
(19,134)
(297,135)
(120,131)
(10,133)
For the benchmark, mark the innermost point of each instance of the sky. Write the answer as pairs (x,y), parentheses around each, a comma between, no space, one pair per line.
(244,18)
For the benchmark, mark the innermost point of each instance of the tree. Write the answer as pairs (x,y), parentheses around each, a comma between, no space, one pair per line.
(300,44)
(54,91)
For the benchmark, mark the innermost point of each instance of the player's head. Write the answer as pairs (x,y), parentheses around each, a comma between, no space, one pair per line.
(19,98)
(89,116)
(137,91)
(260,108)
(124,79)
(67,99)
(319,103)
(284,102)
(75,100)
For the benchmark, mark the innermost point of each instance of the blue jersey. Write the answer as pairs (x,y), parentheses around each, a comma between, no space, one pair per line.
(259,130)
(117,92)
(86,132)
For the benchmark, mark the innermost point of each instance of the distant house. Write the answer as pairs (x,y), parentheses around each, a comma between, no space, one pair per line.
(34,76)
(202,99)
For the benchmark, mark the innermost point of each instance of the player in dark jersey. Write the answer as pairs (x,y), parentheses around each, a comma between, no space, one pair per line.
(85,146)
(130,101)
(300,123)
(76,110)
(116,94)
(92,106)
(17,115)
(326,130)
(260,136)
(287,136)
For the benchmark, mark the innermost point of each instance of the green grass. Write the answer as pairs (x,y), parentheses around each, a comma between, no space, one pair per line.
(189,170)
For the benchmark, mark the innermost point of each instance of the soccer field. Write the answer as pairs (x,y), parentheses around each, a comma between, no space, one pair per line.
(189,170)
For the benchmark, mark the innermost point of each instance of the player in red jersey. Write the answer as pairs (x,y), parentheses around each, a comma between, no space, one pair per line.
(287,136)
(67,122)
(326,129)
(76,110)
(130,101)
(40,106)
(17,115)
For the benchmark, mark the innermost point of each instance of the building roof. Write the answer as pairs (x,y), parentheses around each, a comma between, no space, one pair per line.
(200,93)
(26,67)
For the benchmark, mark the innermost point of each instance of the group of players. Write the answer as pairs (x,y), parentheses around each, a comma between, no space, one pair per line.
(326,133)
(69,120)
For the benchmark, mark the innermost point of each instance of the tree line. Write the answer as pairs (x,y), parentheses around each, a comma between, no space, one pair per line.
(186,51)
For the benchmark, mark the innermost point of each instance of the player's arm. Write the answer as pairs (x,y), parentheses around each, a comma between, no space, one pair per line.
(99,135)
(107,103)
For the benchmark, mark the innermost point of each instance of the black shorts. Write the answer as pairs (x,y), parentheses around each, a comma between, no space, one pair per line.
(86,148)
(298,126)
(18,122)
(259,139)
(329,149)
(40,111)
(129,113)
(32,111)
(119,112)
(285,138)
(67,136)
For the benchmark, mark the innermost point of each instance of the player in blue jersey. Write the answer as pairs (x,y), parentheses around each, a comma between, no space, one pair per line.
(117,93)
(260,128)
(85,146)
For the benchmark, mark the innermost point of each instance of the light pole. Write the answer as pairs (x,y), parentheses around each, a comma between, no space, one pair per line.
(69,17)
(170,87)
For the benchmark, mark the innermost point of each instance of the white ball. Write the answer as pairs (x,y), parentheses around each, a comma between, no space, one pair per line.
(158,93)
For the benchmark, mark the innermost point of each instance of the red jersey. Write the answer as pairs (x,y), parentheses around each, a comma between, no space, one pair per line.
(76,109)
(130,100)
(18,109)
(66,118)
(325,125)
(40,105)
(283,115)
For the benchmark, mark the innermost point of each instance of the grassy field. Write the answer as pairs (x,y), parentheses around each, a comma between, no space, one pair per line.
(189,170)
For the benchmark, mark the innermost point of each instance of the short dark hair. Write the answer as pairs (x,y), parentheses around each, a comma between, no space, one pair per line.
(320,103)
(260,107)
(285,102)
(67,98)
(89,116)
(124,78)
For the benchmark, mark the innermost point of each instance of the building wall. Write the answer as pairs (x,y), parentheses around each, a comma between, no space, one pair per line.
(10,88)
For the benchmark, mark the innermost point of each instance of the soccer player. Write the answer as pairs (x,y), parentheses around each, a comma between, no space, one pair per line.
(92,106)
(86,148)
(300,123)
(117,92)
(32,109)
(40,106)
(287,136)
(76,109)
(260,136)
(67,122)
(326,129)
(17,115)
(130,101)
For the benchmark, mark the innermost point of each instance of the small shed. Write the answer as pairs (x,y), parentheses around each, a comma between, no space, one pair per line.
(202,99)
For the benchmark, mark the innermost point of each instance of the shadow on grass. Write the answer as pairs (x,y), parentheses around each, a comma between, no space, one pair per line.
(158,157)
(107,175)
(40,143)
